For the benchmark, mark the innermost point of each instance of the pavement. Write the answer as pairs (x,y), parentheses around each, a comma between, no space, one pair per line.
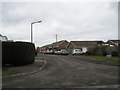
(12,71)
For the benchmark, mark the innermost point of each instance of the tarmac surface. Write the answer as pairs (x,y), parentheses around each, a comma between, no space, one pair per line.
(67,72)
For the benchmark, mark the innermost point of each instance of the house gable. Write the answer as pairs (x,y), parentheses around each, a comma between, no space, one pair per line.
(63,44)
(70,46)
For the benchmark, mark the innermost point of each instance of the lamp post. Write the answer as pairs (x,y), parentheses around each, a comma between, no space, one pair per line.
(32,29)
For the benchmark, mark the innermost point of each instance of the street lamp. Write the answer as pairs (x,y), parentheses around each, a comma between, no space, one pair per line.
(32,29)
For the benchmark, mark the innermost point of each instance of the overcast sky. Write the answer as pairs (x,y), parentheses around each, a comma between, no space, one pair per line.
(70,21)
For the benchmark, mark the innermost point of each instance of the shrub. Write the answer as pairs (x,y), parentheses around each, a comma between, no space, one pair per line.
(114,53)
(18,53)
(88,53)
(104,53)
(36,52)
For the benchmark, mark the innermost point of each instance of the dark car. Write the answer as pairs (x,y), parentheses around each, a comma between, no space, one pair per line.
(64,52)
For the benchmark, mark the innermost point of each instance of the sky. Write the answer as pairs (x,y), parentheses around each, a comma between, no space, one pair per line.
(69,20)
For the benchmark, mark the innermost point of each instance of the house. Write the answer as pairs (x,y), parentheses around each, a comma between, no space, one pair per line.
(3,38)
(55,46)
(44,48)
(113,47)
(59,45)
(83,45)
(113,42)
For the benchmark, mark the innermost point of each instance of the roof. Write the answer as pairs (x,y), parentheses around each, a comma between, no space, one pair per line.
(85,43)
(55,44)
(115,42)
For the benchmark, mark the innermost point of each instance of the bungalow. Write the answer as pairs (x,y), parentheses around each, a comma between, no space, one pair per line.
(55,46)
(44,48)
(83,45)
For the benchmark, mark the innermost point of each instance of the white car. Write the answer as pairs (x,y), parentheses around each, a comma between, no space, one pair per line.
(77,52)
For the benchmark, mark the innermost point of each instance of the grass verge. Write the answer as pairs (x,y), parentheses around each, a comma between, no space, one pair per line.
(115,59)
(3,74)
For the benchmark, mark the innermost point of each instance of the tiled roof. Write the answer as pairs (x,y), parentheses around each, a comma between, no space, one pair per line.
(54,44)
(115,41)
(85,43)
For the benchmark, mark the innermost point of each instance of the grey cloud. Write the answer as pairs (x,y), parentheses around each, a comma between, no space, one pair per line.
(71,21)
(12,16)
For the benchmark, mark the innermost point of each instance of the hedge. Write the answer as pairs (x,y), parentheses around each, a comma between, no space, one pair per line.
(18,53)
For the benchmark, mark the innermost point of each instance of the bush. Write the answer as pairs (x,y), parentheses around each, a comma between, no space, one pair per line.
(104,53)
(114,53)
(88,53)
(18,53)
(36,52)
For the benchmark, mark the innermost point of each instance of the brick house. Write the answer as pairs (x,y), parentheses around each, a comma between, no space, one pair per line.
(83,45)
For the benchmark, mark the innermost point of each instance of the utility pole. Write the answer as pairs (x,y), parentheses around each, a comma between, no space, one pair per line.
(56,37)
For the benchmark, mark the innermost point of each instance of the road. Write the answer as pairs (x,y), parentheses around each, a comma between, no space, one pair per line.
(66,71)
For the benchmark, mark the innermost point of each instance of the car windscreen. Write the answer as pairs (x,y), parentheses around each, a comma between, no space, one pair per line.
(77,50)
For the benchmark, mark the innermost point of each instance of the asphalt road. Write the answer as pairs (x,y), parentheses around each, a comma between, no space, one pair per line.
(66,71)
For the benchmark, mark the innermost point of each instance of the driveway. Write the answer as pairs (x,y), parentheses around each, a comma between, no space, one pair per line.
(66,71)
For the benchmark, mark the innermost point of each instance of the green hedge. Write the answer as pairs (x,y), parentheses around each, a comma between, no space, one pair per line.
(18,53)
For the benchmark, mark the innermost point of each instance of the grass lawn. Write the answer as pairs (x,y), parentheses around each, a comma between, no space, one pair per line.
(4,73)
(101,57)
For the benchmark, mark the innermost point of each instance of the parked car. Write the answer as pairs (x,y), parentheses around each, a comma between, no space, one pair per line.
(76,52)
(64,52)
(61,52)
(49,52)
(57,52)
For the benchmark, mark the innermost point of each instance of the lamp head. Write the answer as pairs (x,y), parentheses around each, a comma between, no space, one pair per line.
(36,22)
(39,21)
